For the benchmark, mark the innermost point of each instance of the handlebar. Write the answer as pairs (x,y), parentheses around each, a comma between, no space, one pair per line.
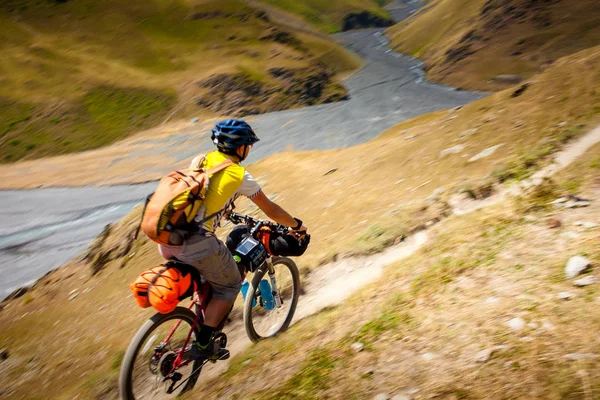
(254,223)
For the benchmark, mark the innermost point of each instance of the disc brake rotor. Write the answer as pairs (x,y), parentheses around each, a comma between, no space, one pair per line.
(166,363)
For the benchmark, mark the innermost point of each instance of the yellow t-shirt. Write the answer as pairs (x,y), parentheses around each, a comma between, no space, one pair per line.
(224,188)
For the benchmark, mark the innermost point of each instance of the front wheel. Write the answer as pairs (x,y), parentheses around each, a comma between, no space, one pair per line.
(148,369)
(267,314)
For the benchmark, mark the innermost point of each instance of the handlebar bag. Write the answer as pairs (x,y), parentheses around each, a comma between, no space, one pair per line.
(252,253)
(236,236)
(277,244)
(283,244)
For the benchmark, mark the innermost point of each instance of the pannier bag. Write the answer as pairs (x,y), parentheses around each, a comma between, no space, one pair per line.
(162,287)
(168,215)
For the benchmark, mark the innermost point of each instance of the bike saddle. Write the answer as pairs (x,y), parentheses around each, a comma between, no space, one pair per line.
(185,268)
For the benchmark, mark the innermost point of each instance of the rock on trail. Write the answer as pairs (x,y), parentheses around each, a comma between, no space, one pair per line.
(516,324)
(564,295)
(575,266)
(585,281)
(485,153)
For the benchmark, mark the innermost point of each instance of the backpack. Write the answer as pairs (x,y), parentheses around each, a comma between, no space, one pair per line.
(168,216)
(162,287)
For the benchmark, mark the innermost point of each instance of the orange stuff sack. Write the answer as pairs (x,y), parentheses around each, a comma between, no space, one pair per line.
(162,287)
(139,287)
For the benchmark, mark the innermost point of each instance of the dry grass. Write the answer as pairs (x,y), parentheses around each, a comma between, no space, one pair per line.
(452,300)
(361,206)
(468,43)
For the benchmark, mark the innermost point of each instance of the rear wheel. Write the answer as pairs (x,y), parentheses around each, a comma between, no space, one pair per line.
(266,316)
(147,369)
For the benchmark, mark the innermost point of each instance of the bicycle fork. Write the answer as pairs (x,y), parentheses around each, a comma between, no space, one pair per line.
(274,288)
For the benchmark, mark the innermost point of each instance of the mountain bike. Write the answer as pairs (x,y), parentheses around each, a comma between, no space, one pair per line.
(156,363)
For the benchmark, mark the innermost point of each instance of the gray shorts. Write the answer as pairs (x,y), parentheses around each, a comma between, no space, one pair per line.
(214,261)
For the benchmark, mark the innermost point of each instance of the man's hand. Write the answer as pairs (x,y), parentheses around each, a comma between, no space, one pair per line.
(299,232)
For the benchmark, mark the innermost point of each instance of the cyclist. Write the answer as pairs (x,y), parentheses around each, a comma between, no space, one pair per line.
(234,139)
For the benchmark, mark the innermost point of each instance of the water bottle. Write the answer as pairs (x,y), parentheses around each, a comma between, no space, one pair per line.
(267,295)
(245,286)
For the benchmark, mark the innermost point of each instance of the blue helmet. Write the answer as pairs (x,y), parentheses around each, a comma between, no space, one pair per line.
(230,134)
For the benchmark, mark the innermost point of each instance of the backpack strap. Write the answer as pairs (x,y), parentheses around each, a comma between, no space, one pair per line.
(137,231)
(218,168)
(213,170)
(211,216)
(210,172)
(201,158)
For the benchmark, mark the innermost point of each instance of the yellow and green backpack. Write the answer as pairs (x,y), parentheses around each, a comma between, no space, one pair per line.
(168,216)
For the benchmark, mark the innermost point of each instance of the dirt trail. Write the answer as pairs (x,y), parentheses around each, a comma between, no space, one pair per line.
(565,157)
(462,205)
(333,283)
(329,286)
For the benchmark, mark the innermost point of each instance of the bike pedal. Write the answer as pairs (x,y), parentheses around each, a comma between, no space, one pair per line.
(221,354)
(175,377)
(225,356)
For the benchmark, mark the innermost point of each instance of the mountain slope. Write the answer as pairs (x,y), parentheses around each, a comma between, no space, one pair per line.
(357,200)
(81,74)
(440,324)
(469,43)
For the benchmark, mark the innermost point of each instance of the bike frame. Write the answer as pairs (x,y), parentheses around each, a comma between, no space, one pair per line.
(166,355)
(200,299)
(202,296)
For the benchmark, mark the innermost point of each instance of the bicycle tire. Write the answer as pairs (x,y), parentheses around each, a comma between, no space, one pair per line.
(248,304)
(125,375)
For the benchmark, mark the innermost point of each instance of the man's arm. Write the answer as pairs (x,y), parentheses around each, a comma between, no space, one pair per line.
(274,211)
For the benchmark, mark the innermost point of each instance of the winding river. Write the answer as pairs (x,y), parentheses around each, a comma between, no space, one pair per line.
(47,227)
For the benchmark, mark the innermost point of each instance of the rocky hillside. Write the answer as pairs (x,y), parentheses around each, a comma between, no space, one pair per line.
(491,44)
(337,15)
(475,313)
(71,82)
(243,93)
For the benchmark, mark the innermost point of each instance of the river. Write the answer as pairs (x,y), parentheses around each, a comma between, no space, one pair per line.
(44,228)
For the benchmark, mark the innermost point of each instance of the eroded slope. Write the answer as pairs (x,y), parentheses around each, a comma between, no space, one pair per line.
(474,44)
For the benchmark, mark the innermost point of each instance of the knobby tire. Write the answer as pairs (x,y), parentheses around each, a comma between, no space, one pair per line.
(258,276)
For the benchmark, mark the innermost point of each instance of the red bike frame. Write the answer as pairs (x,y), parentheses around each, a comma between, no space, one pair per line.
(199,299)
